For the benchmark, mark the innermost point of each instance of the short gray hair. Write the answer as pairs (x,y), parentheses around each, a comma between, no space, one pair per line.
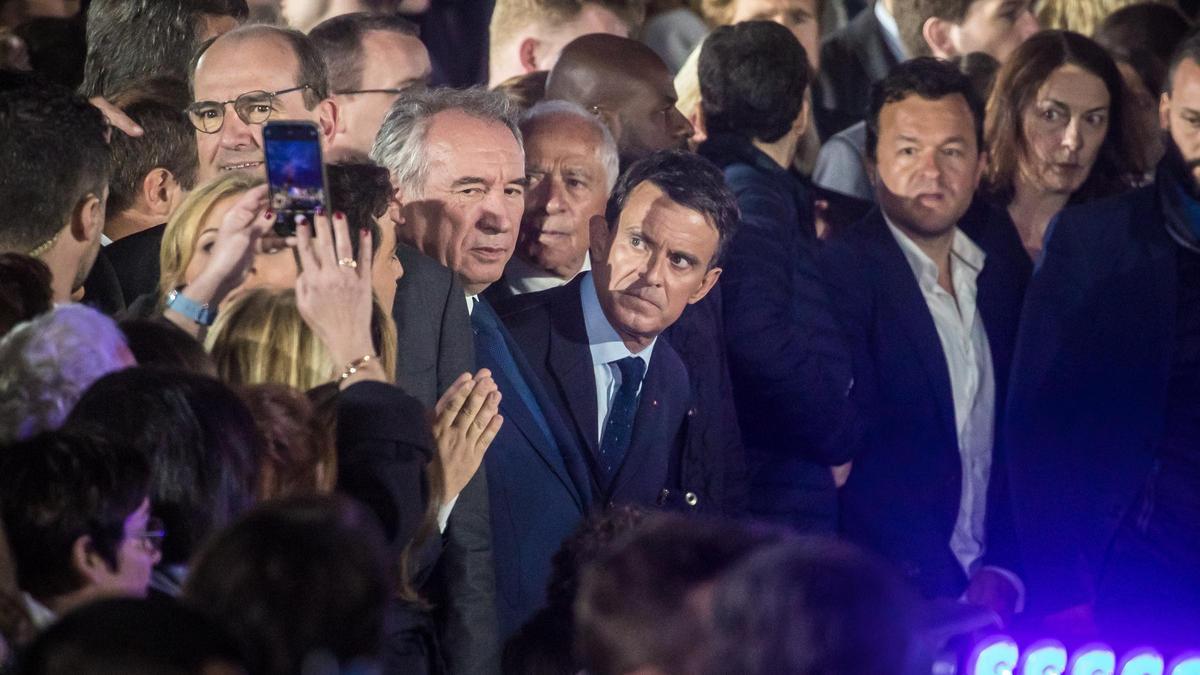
(400,143)
(49,362)
(606,152)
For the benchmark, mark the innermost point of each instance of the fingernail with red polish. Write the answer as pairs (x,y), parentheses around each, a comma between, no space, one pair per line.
(269,214)
(364,231)
(339,215)
(320,210)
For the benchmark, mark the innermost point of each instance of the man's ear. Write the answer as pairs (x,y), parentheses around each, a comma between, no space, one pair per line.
(800,125)
(160,192)
(610,119)
(527,54)
(983,162)
(599,236)
(938,34)
(699,124)
(1164,111)
(710,280)
(87,562)
(87,220)
(328,120)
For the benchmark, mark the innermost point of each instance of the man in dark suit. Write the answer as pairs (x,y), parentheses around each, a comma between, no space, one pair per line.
(852,59)
(594,342)
(459,198)
(928,289)
(789,368)
(1102,416)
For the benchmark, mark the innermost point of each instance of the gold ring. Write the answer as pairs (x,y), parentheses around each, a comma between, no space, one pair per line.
(348,262)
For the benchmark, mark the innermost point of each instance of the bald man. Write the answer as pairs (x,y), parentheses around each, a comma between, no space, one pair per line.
(628,86)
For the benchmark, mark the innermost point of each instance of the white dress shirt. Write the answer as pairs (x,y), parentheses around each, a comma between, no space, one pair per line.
(525,278)
(607,348)
(969,360)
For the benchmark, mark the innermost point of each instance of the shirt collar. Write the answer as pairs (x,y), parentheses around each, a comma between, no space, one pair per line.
(40,615)
(472,300)
(523,277)
(605,345)
(962,250)
(890,30)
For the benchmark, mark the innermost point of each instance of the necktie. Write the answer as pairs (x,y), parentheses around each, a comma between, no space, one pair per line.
(618,431)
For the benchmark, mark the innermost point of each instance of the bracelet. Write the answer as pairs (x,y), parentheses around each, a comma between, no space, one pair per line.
(354,366)
(200,313)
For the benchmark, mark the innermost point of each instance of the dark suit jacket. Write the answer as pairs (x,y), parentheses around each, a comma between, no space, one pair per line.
(135,260)
(433,331)
(549,326)
(538,489)
(904,490)
(1087,409)
(852,59)
(790,368)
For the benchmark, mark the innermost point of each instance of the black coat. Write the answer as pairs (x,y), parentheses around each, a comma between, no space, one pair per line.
(904,490)
(789,366)
(1086,413)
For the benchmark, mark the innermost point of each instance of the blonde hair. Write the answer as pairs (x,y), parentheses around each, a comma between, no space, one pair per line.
(1081,16)
(183,229)
(262,338)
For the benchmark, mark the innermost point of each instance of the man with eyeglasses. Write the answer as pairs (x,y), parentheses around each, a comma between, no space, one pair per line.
(77,514)
(371,59)
(243,79)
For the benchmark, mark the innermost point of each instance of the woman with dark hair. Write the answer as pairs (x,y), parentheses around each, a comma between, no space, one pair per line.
(202,445)
(1058,130)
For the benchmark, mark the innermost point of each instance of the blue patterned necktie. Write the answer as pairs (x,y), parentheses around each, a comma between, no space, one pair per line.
(619,429)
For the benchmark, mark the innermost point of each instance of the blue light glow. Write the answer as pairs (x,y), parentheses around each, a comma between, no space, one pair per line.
(1047,657)
(1142,662)
(1094,660)
(1188,664)
(995,656)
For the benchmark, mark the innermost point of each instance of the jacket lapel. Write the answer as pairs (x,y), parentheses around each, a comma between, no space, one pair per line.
(570,361)
(660,412)
(901,290)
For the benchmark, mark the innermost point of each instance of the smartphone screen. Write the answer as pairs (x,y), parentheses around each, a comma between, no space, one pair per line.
(295,173)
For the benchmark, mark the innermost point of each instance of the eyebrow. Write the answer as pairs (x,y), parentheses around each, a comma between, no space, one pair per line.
(468,180)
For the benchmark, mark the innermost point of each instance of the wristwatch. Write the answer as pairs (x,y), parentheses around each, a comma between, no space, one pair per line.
(193,310)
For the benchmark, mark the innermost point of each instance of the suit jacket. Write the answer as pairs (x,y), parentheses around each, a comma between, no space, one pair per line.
(789,366)
(538,487)
(1086,413)
(852,59)
(135,262)
(549,326)
(433,331)
(904,490)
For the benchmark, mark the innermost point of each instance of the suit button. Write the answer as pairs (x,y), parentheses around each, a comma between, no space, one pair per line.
(654,402)
(691,412)
(691,499)
(662,496)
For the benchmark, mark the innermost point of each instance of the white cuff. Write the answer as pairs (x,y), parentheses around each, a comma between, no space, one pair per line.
(444,518)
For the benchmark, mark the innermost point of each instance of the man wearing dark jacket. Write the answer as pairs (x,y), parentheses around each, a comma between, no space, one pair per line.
(594,342)
(1102,420)
(790,372)
(928,289)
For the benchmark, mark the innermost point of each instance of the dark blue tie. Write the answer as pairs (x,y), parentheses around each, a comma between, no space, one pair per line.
(491,349)
(619,429)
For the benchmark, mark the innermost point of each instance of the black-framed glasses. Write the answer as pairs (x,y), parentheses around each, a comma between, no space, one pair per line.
(252,107)
(152,537)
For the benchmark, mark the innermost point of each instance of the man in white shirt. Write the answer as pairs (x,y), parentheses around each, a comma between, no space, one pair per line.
(929,288)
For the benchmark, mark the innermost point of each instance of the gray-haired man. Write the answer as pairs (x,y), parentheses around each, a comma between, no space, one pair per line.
(458,168)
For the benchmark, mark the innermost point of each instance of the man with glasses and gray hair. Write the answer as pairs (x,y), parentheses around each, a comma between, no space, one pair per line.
(371,59)
(246,77)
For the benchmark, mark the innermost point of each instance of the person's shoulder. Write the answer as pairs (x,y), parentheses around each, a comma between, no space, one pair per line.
(418,266)
(526,307)
(1107,221)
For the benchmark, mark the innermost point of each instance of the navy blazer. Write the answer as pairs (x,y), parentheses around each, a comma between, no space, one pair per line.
(539,489)
(550,327)
(904,490)
(789,366)
(1086,413)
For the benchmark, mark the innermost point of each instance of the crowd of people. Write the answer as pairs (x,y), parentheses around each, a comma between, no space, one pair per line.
(667,337)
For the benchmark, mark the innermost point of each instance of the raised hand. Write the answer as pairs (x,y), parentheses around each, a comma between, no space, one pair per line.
(333,292)
(466,420)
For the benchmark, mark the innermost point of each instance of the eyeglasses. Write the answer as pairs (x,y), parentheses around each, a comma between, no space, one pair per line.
(252,107)
(151,538)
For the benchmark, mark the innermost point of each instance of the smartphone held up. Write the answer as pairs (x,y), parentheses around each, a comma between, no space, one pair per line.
(295,173)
